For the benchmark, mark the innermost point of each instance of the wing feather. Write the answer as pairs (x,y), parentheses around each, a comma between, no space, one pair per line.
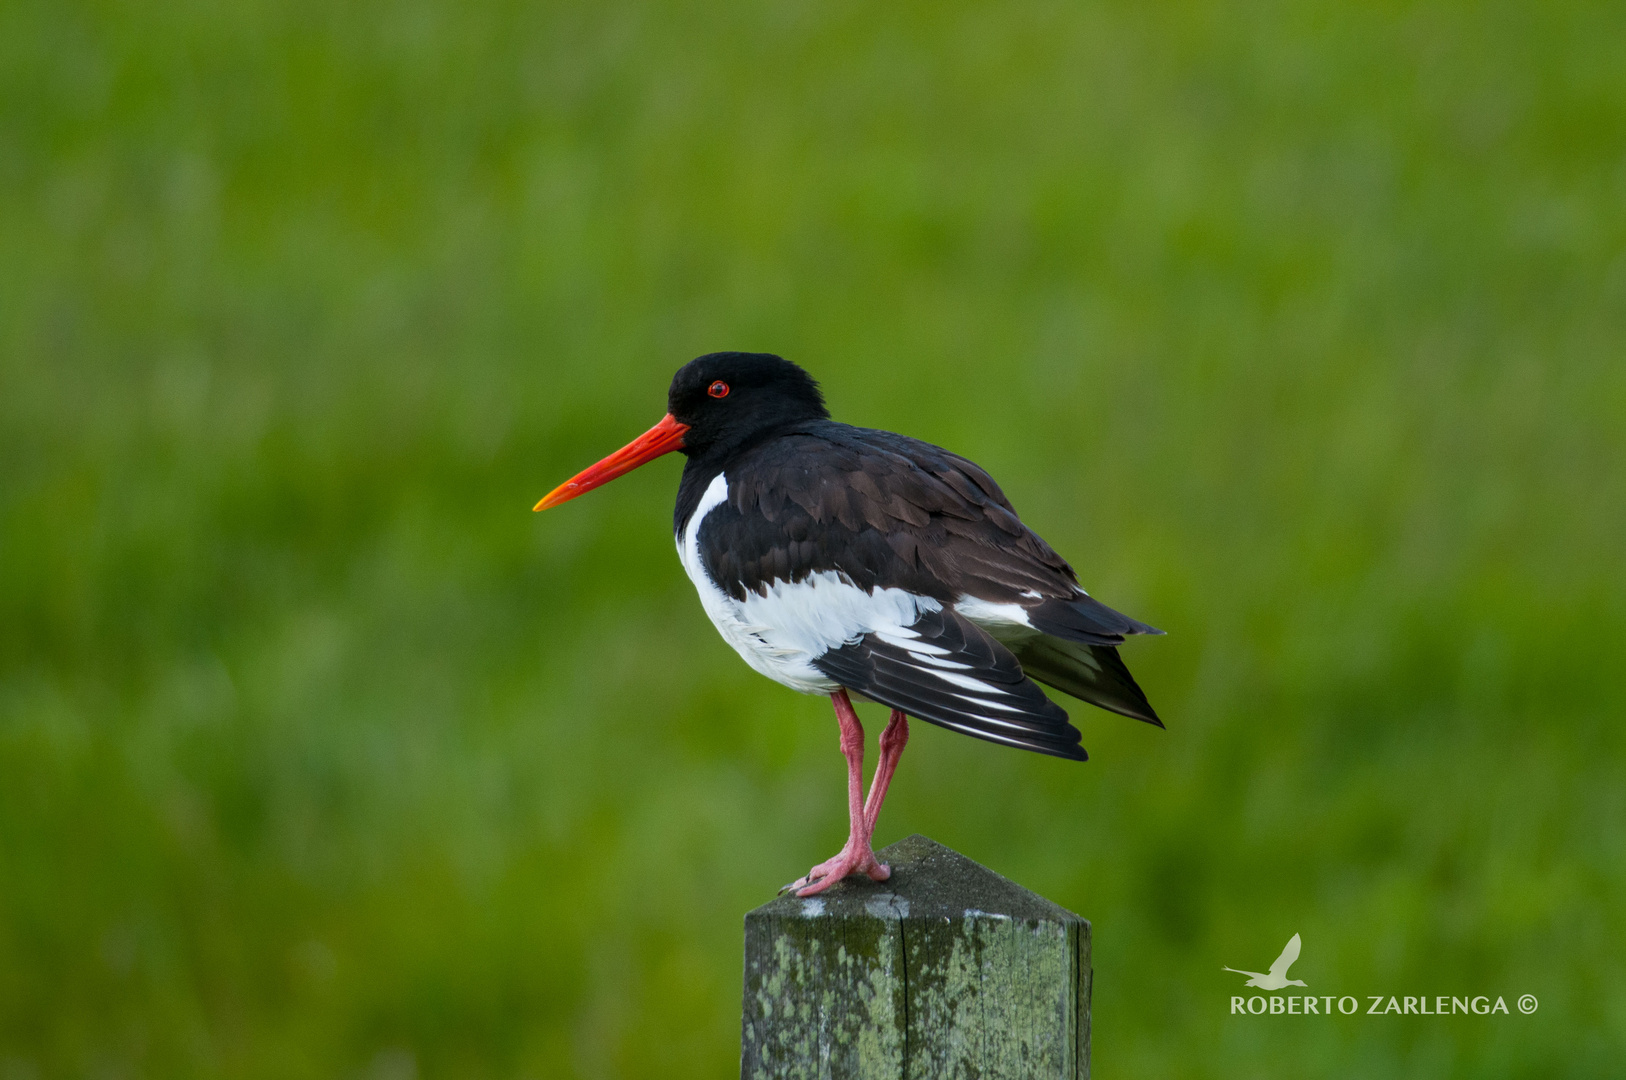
(984,693)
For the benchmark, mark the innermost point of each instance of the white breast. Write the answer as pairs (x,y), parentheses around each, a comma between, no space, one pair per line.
(781,633)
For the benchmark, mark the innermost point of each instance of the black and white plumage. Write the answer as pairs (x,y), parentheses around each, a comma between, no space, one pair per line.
(830,555)
(835,559)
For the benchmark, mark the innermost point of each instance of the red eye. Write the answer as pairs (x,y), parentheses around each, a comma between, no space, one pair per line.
(718,389)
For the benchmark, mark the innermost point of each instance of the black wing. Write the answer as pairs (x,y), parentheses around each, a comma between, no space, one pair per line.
(947,671)
(890,511)
(887,511)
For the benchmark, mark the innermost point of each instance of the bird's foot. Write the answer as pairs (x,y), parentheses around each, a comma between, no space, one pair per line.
(820,871)
(848,862)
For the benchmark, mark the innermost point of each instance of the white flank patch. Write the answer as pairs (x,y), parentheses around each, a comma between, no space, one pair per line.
(781,633)
(987,614)
(1006,623)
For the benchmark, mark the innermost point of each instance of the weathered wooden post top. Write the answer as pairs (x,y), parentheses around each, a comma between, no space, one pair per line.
(945,970)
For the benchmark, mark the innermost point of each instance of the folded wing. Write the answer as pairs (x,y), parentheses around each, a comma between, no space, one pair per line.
(947,671)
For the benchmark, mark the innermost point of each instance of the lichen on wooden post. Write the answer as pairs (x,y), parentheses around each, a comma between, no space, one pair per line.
(945,970)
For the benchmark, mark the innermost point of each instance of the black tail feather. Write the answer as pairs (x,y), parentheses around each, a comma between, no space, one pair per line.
(1092,673)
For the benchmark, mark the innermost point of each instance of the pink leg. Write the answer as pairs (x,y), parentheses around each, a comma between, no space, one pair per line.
(856,856)
(893,740)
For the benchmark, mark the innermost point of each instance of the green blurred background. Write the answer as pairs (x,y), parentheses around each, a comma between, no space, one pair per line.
(1297,326)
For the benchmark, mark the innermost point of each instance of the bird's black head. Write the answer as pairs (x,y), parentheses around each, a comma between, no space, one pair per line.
(719,404)
(729,400)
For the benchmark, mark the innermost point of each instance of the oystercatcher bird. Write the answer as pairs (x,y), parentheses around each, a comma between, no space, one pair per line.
(850,562)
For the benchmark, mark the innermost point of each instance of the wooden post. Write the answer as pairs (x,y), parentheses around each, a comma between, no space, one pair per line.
(946,970)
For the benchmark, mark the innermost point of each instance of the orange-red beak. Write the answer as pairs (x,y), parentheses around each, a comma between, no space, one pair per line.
(663,438)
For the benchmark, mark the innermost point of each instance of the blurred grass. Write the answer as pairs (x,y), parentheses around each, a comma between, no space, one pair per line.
(1297,326)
